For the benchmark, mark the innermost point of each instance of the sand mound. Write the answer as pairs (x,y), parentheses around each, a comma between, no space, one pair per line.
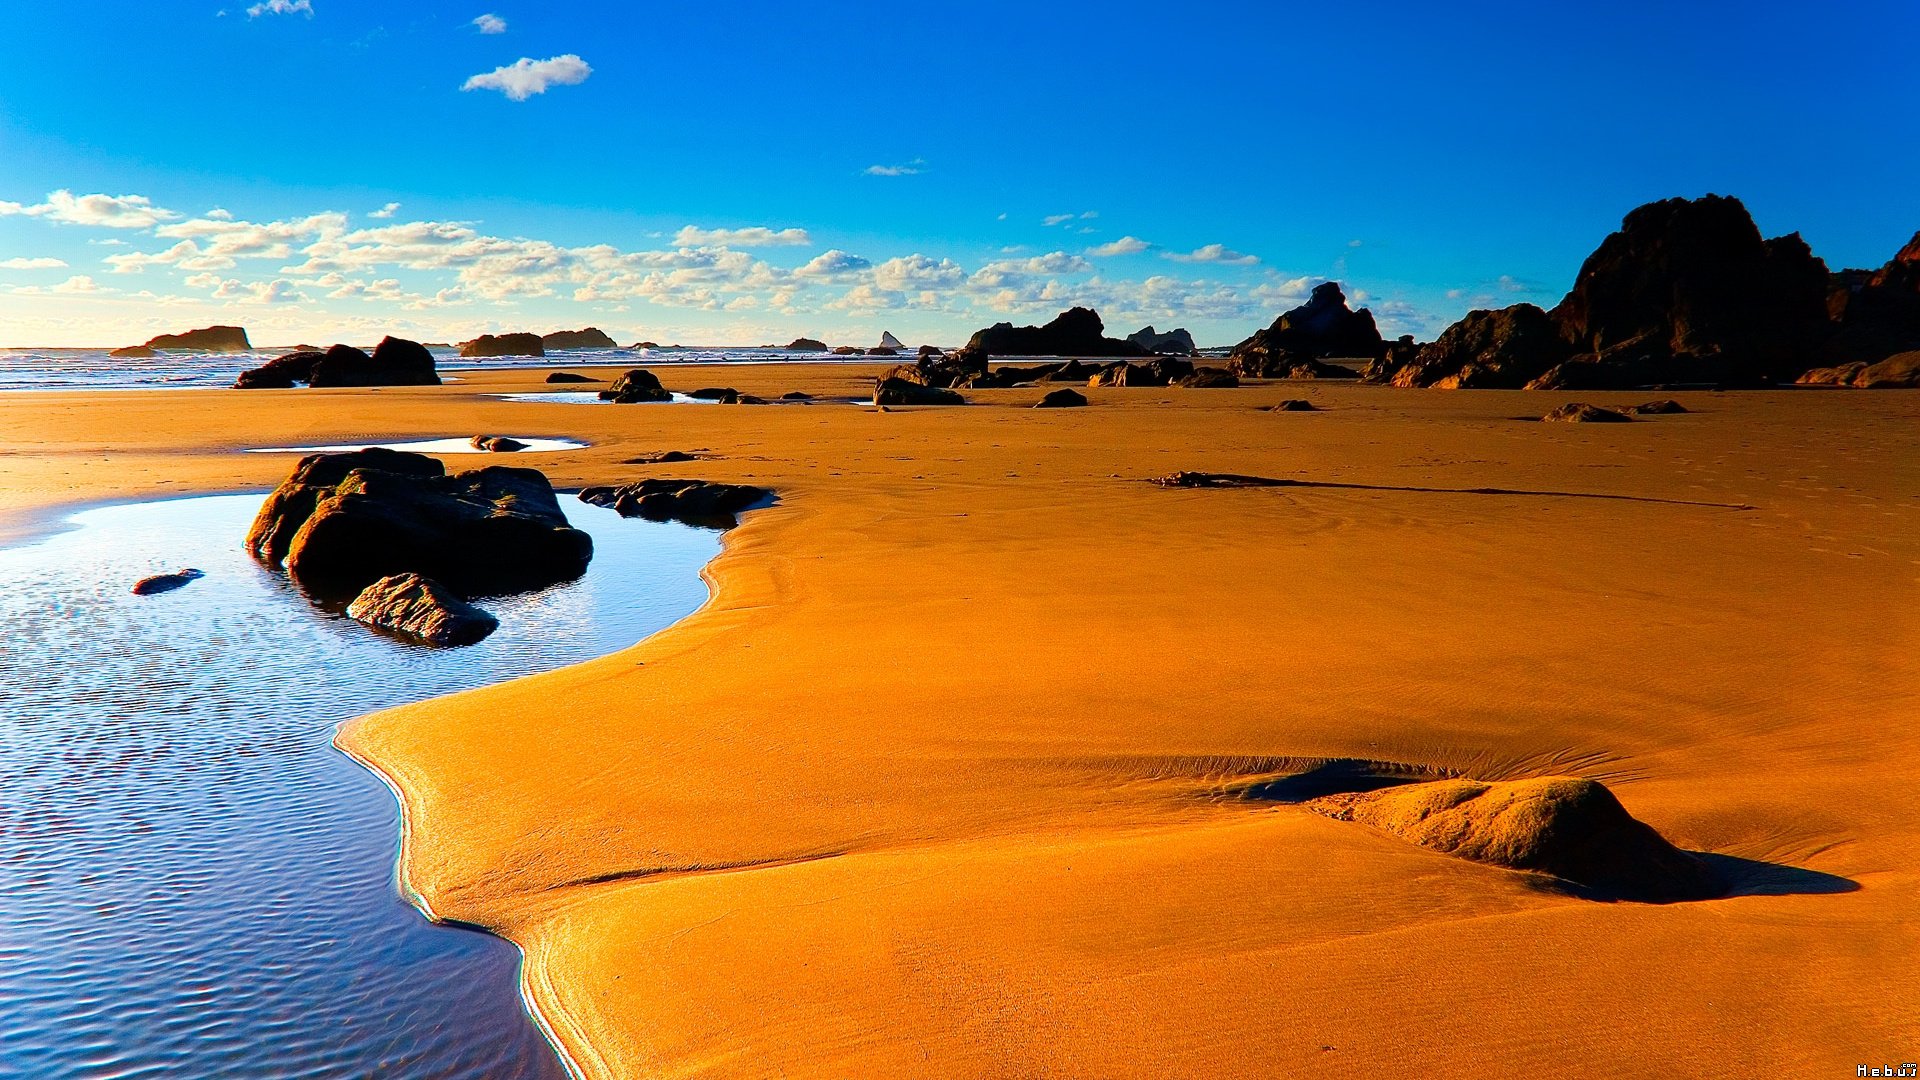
(1565,826)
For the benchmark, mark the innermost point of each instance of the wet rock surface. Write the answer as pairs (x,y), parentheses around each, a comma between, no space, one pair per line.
(896,391)
(695,502)
(636,385)
(421,609)
(159,583)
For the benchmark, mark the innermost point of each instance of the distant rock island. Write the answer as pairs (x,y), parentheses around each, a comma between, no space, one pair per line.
(888,341)
(504,345)
(1172,343)
(590,338)
(1298,342)
(807,344)
(219,339)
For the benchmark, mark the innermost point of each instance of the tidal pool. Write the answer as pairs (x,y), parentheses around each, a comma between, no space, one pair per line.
(454,445)
(193,880)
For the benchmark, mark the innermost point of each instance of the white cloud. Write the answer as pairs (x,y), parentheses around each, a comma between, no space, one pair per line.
(911,168)
(1126,245)
(1057,219)
(753,236)
(386,211)
(80,283)
(830,264)
(280,7)
(1214,253)
(99,211)
(526,77)
(31,264)
(490,24)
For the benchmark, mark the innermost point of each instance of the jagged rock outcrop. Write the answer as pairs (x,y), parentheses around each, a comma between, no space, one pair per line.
(902,392)
(503,345)
(1399,353)
(1568,827)
(695,502)
(1492,349)
(1075,332)
(1897,372)
(1579,412)
(209,339)
(560,340)
(807,344)
(395,362)
(133,352)
(888,341)
(636,385)
(422,609)
(1209,378)
(1876,313)
(1172,343)
(341,522)
(1297,342)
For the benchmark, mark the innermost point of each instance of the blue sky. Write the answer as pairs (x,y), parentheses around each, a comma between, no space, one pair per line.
(751,172)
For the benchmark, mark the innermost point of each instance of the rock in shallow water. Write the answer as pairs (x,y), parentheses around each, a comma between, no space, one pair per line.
(1569,827)
(343,521)
(902,392)
(696,502)
(421,608)
(160,583)
(636,385)
(497,444)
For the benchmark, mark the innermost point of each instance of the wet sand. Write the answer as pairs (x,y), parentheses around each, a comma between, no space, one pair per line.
(943,779)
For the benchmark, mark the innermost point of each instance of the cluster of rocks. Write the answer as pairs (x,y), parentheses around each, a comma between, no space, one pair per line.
(344,524)
(1687,292)
(213,339)
(395,362)
(695,502)
(1172,343)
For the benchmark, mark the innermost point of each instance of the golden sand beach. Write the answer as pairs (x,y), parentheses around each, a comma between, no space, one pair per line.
(948,777)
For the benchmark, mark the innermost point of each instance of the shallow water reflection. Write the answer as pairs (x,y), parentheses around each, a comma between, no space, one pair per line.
(193,881)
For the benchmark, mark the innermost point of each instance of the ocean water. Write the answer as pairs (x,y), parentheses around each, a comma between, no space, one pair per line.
(193,881)
(93,369)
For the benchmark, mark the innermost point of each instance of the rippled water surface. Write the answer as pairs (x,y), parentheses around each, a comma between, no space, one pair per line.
(193,881)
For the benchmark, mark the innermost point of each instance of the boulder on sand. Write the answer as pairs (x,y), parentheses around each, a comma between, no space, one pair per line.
(1209,378)
(159,583)
(695,502)
(1074,332)
(1898,372)
(1657,408)
(1062,398)
(1294,405)
(1579,412)
(590,338)
(568,377)
(503,345)
(1298,340)
(422,609)
(715,393)
(343,521)
(902,392)
(1501,348)
(1569,827)
(638,384)
(395,362)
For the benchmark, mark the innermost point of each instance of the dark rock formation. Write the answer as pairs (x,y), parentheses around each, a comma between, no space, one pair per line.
(395,362)
(846,350)
(928,350)
(660,458)
(210,339)
(421,609)
(497,444)
(1876,313)
(1657,408)
(568,377)
(1209,378)
(343,521)
(560,340)
(807,344)
(883,350)
(1062,398)
(503,345)
(1579,412)
(1503,348)
(1898,372)
(638,384)
(796,395)
(902,392)
(133,352)
(1399,353)
(1160,371)
(1075,332)
(695,502)
(1571,828)
(643,345)
(715,393)
(1322,327)
(1172,343)
(159,583)
(1692,285)
(1294,405)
